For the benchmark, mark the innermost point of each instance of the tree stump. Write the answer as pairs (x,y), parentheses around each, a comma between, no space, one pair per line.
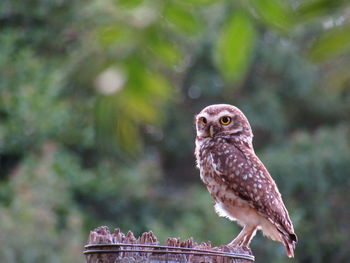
(116,247)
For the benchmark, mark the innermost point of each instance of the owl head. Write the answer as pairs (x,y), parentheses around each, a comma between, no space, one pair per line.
(222,120)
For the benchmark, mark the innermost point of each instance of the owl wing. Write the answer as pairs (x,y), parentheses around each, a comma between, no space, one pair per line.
(249,179)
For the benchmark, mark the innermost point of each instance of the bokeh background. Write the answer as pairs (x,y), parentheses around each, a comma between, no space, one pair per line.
(97,100)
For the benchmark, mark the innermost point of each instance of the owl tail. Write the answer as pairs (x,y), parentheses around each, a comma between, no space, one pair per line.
(289,243)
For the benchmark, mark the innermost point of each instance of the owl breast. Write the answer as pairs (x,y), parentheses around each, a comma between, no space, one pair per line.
(210,175)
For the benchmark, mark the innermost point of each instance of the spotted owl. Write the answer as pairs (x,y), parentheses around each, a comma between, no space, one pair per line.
(238,181)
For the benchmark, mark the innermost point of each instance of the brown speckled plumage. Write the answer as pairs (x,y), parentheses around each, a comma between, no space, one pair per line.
(238,181)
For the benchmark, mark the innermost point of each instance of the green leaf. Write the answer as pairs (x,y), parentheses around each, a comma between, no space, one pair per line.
(116,124)
(310,9)
(202,2)
(330,44)
(234,46)
(119,116)
(157,86)
(128,135)
(104,110)
(274,13)
(141,98)
(129,3)
(181,19)
(114,35)
(165,50)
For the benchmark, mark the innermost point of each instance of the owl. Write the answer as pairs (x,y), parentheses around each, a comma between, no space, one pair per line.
(241,186)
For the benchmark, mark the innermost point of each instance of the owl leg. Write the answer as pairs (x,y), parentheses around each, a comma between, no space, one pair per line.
(244,237)
(239,239)
(249,236)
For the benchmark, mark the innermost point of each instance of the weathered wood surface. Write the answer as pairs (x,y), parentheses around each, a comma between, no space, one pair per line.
(116,247)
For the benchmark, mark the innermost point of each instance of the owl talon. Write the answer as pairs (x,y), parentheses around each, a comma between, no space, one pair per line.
(234,244)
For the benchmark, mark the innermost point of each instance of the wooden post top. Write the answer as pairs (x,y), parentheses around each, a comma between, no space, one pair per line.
(116,247)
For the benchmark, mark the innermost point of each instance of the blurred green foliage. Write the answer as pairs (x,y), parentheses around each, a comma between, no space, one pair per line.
(96,118)
(41,223)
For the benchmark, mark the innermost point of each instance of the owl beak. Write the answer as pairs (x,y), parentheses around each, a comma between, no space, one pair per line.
(211,130)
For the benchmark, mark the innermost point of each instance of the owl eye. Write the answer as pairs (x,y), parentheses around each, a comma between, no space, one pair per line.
(225,120)
(203,120)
